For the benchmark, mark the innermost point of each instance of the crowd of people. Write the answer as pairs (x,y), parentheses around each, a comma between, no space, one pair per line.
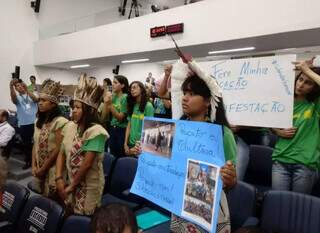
(202,210)
(66,155)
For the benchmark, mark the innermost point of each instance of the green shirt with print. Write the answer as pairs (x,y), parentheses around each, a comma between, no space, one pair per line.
(229,145)
(120,104)
(303,148)
(136,122)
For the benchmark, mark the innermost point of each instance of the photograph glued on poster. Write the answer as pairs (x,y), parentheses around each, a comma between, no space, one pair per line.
(180,171)
(157,137)
(199,192)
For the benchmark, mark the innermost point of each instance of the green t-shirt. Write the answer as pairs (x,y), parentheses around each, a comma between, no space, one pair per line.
(229,145)
(32,88)
(95,144)
(120,104)
(303,148)
(136,122)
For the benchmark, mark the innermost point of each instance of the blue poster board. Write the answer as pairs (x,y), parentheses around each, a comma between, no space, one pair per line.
(179,168)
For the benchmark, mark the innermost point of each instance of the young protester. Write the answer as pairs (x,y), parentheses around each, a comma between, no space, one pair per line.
(107,84)
(114,218)
(115,105)
(47,138)
(33,86)
(162,101)
(296,157)
(82,152)
(138,108)
(202,101)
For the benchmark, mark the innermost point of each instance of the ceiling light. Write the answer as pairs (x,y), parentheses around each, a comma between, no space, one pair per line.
(135,61)
(79,66)
(232,50)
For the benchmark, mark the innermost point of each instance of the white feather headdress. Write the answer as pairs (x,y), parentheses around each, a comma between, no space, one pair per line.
(180,71)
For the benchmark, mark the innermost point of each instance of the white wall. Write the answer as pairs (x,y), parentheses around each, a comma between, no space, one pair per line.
(53,12)
(64,16)
(205,22)
(134,72)
(60,75)
(19,29)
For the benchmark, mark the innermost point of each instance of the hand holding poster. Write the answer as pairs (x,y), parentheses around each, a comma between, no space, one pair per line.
(256,91)
(179,168)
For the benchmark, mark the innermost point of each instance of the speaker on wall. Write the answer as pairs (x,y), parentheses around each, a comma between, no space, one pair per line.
(116,70)
(36,5)
(17,72)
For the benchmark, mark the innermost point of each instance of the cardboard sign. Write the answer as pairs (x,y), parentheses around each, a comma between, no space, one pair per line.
(256,91)
(179,168)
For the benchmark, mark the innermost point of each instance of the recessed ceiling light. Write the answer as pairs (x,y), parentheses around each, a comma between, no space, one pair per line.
(136,61)
(79,66)
(232,50)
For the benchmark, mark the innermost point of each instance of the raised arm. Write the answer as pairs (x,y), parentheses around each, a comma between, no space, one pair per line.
(29,93)
(13,93)
(304,66)
(163,87)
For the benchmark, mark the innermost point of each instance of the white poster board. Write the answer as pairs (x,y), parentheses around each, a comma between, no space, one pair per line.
(256,91)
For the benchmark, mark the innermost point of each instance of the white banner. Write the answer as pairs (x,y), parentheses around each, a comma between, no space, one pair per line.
(256,91)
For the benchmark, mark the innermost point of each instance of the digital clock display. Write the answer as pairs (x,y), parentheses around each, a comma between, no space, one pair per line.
(158,31)
(163,30)
(175,28)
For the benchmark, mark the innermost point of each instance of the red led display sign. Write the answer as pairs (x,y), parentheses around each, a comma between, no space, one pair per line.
(163,30)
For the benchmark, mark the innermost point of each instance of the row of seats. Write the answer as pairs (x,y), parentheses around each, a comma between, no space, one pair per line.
(243,200)
(259,170)
(36,214)
(282,211)
(43,215)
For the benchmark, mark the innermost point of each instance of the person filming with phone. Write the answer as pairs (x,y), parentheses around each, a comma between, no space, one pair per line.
(26,103)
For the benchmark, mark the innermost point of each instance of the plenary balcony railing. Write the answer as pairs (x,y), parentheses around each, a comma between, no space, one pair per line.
(125,10)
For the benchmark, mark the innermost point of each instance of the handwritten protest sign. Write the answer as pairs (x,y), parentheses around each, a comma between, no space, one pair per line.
(179,168)
(256,91)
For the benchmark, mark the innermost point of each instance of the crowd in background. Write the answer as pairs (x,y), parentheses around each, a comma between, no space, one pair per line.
(66,153)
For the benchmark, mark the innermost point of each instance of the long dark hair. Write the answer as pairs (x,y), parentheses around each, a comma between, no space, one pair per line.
(46,117)
(315,93)
(199,87)
(124,81)
(132,100)
(89,116)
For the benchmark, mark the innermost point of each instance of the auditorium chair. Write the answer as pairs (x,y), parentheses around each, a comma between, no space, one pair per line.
(14,199)
(242,205)
(290,212)
(107,167)
(121,180)
(259,170)
(40,215)
(76,224)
